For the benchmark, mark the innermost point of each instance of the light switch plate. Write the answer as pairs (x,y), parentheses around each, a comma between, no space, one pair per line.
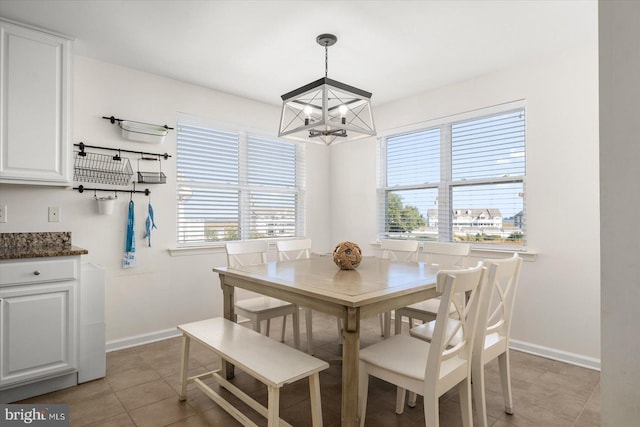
(54,214)
(3,213)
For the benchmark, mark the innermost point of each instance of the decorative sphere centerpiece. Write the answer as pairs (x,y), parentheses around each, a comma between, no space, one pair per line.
(347,255)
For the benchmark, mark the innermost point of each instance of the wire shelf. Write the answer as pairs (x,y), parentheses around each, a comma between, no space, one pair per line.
(102,169)
(152,178)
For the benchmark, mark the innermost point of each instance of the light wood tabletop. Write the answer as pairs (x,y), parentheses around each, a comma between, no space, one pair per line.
(376,286)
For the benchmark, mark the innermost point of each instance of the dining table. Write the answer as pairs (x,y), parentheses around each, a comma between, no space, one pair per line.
(375,286)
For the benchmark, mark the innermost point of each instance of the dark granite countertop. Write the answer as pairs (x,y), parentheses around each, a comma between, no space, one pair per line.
(37,245)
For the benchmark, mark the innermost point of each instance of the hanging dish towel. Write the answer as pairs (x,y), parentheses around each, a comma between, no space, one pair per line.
(149,225)
(129,259)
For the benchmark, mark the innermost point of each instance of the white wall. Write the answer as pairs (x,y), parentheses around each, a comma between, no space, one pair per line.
(557,307)
(163,290)
(619,177)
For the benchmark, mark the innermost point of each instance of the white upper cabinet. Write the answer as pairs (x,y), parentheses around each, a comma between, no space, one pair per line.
(35,108)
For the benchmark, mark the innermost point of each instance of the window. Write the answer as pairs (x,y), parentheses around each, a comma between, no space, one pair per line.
(459,180)
(237,186)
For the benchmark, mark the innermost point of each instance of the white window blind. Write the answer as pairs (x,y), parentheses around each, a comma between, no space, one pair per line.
(458,181)
(237,186)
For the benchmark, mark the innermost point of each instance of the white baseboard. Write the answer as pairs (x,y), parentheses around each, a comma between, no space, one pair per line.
(559,355)
(137,340)
(549,353)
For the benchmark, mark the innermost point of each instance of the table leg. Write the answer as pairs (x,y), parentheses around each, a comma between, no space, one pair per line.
(350,362)
(227,368)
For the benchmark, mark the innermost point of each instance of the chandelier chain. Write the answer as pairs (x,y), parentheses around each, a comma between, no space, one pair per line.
(326,59)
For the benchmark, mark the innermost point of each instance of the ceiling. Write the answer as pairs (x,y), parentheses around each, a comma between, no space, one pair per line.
(262,49)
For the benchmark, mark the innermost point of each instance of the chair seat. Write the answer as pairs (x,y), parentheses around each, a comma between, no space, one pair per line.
(403,354)
(261,304)
(406,356)
(430,306)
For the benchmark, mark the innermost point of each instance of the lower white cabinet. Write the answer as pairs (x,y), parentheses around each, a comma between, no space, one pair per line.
(38,336)
(38,319)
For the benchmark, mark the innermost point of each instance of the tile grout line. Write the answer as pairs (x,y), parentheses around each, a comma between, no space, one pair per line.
(575,422)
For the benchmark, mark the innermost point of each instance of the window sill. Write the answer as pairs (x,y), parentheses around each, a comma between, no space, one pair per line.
(502,253)
(214,248)
(485,253)
(196,250)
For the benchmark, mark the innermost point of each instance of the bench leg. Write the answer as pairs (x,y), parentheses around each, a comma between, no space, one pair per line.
(316,405)
(284,327)
(308,324)
(184,367)
(273,415)
(296,328)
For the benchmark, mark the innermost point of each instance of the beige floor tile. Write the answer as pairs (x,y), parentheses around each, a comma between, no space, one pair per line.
(132,378)
(82,392)
(211,417)
(122,360)
(144,394)
(122,420)
(161,413)
(95,409)
(174,379)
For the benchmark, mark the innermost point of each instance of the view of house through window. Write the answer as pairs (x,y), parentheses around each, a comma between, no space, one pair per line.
(457,181)
(237,186)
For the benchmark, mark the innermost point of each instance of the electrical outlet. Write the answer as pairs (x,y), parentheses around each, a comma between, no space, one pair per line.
(3,213)
(54,214)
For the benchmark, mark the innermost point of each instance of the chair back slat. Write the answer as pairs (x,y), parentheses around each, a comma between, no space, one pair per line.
(246,253)
(446,342)
(445,254)
(293,249)
(503,277)
(400,250)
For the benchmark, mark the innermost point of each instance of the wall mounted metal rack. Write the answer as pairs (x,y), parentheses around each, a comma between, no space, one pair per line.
(82,189)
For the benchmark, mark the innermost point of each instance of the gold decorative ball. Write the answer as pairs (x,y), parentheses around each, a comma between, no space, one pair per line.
(347,255)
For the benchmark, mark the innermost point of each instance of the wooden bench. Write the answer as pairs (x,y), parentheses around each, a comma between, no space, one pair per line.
(269,361)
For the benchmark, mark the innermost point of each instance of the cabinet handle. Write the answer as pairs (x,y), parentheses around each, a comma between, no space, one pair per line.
(36,273)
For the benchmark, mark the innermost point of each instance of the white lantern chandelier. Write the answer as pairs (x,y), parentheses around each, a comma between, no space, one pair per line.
(326,111)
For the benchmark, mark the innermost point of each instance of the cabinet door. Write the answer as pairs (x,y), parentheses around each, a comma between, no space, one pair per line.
(37,331)
(35,88)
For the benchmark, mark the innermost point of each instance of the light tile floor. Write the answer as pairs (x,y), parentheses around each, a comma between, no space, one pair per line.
(141,385)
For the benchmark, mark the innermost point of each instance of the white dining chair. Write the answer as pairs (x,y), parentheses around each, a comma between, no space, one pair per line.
(492,339)
(295,249)
(441,255)
(430,369)
(396,250)
(260,308)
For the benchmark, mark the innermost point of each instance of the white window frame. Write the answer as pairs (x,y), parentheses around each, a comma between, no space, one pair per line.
(445,185)
(243,187)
